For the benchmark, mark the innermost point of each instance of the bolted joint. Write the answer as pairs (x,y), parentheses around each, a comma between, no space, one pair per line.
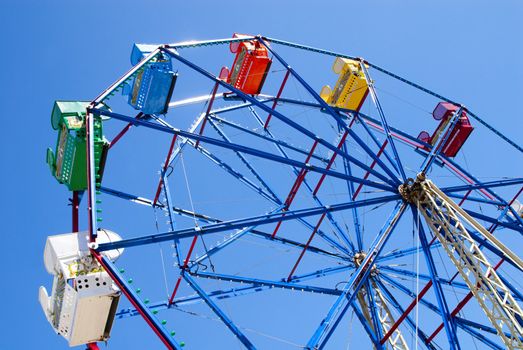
(411,190)
(358,260)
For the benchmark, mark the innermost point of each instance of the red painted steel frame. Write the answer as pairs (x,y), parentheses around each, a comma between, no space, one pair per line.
(372,167)
(295,187)
(92,346)
(331,161)
(124,131)
(136,306)
(209,107)
(165,165)
(185,265)
(316,228)
(277,97)
(75,204)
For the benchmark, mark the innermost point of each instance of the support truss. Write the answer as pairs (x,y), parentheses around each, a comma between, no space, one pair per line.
(447,222)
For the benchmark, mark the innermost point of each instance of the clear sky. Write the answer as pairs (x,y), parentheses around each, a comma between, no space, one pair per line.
(468,50)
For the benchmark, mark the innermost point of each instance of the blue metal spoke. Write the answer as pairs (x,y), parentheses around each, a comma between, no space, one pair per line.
(355,215)
(266,138)
(384,122)
(397,253)
(240,223)
(480,326)
(490,191)
(331,111)
(475,199)
(346,239)
(285,241)
(127,196)
(282,284)
(214,307)
(191,299)
(243,149)
(231,239)
(375,139)
(245,161)
(232,292)
(406,81)
(410,293)
(338,309)
(394,270)
(448,323)
(479,336)
(283,118)
(239,176)
(512,226)
(483,185)
(322,273)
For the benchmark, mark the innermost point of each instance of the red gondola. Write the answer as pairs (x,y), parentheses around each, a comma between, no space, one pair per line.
(458,136)
(250,66)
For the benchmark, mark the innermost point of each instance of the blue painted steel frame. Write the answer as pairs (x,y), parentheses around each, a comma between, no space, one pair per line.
(289,122)
(331,112)
(361,275)
(448,323)
(226,320)
(338,309)
(240,223)
(346,239)
(244,149)
(406,81)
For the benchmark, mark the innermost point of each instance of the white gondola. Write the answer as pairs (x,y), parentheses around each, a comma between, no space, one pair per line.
(84,299)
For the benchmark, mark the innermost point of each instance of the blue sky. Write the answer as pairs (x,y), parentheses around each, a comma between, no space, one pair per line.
(469,50)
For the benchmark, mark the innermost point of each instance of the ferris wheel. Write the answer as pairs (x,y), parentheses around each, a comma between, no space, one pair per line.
(275,195)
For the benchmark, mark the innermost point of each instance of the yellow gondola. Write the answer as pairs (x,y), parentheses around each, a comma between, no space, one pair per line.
(351,89)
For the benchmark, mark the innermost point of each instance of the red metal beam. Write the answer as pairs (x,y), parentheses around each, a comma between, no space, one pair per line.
(460,306)
(74,205)
(130,298)
(124,131)
(165,165)
(331,161)
(295,187)
(406,312)
(92,346)
(277,97)
(209,107)
(184,266)
(368,172)
(316,228)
